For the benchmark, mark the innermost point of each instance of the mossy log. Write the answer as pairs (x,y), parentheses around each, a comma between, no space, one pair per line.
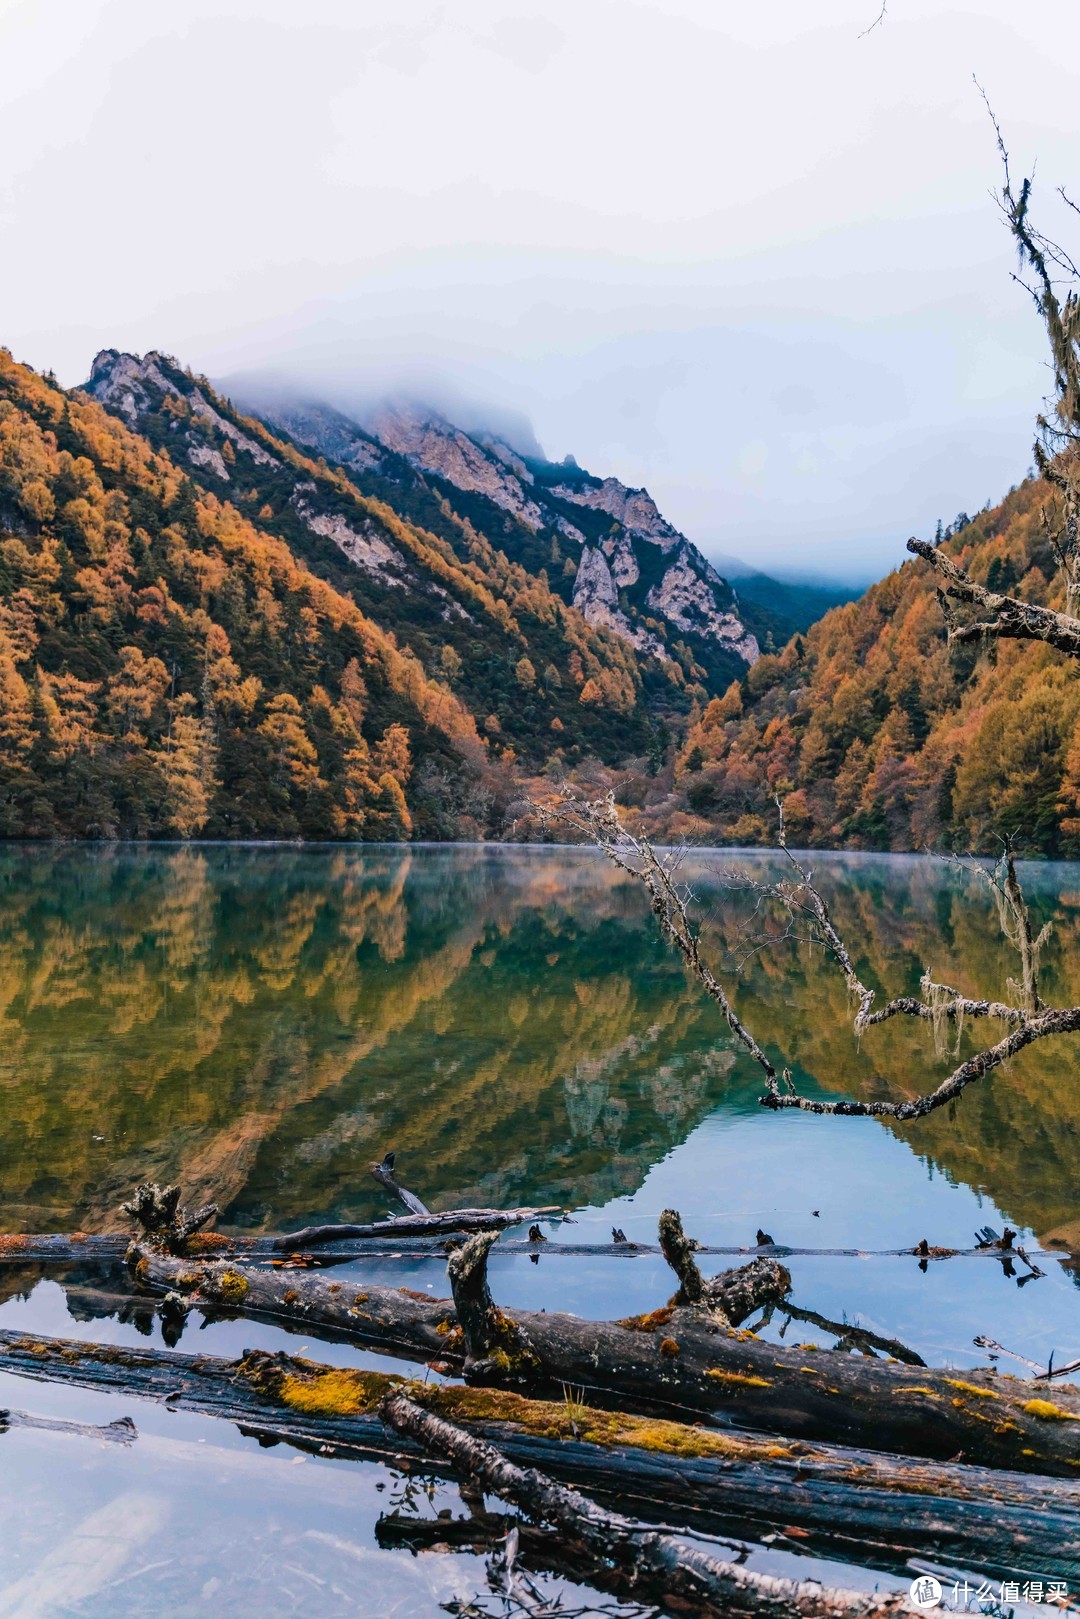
(654,1565)
(678,1358)
(718,1481)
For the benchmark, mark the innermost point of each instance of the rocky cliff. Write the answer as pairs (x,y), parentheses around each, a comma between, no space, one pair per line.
(605,548)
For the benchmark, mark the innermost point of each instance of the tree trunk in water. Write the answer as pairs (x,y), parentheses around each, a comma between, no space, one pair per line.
(718,1481)
(675,1358)
(650,1563)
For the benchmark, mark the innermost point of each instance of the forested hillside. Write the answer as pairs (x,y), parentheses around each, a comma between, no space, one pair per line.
(205,630)
(537,677)
(167,668)
(879,735)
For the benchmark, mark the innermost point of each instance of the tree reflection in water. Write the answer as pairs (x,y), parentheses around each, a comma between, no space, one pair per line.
(259,1022)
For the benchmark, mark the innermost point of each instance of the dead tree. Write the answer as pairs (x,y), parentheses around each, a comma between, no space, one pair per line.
(1027,1018)
(678,1360)
(995,616)
(992,615)
(719,1481)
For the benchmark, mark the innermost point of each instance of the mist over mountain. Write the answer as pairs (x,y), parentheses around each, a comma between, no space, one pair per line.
(359,397)
(433,431)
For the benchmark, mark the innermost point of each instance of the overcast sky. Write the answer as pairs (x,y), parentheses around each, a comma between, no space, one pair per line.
(733,251)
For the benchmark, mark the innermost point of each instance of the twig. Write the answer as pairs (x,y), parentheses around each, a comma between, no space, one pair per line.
(878,20)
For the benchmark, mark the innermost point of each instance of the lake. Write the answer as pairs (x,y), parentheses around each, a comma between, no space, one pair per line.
(260,1023)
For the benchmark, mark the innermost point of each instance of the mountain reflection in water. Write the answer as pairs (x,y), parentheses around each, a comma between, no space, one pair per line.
(260,1023)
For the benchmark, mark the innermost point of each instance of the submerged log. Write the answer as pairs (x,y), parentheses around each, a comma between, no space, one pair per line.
(410,1236)
(414,1238)
(677,1358)
(452,1222)
(642,1562)
(718,1481)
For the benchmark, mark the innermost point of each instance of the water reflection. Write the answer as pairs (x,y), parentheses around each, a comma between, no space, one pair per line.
(260,1023)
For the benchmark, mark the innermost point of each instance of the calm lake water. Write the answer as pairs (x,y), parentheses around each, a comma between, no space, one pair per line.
(260,1023)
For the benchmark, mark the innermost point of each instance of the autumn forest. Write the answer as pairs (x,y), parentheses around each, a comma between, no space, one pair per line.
(190,648)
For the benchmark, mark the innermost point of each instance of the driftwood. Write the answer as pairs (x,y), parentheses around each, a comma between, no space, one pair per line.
(451,1223)
(642,1562)
(717,1481)
(678,1358)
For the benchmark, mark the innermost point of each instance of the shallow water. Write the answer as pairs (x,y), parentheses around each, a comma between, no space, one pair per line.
(260,1023)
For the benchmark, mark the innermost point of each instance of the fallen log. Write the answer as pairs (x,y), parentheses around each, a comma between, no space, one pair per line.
(982,1416)
(858,1504)
(453,1222)
(677,1358)
(641,1562)
(395,1320)
(406,1237)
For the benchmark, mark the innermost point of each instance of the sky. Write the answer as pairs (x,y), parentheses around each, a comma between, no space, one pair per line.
(746,255)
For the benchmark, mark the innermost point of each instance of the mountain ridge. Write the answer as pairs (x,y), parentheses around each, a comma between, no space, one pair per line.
(605,533)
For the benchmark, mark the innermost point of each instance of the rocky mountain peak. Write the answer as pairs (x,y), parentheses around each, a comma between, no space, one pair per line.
(434,445)
(605,546)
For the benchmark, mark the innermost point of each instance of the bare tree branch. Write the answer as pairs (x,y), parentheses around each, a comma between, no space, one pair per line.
(671,902)
(598,822)
(878,20)
(1057,445)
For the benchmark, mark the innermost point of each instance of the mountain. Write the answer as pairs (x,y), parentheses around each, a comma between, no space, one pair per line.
(879,735)
(207,629)
(605,549)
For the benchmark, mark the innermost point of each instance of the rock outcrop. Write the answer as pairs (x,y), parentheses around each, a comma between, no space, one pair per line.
(635,509)
(688,599)
(624,566)
(596,597)
(432,444)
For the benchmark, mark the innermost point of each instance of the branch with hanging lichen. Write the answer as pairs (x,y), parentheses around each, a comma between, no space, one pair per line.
(672,901)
